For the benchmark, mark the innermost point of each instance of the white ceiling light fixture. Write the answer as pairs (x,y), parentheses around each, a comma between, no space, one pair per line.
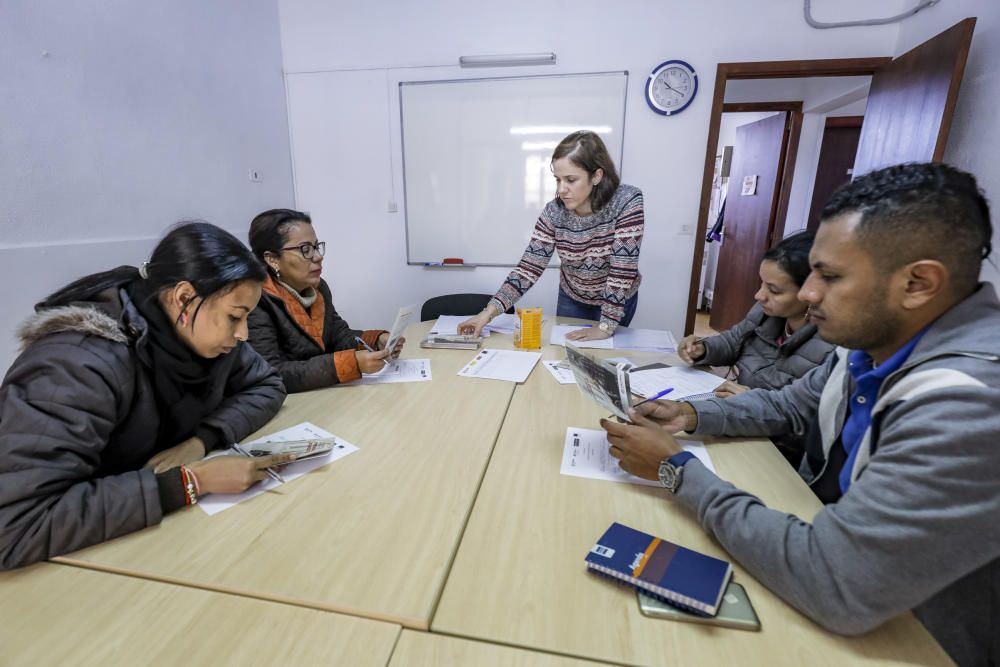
(559,129)
(508,60)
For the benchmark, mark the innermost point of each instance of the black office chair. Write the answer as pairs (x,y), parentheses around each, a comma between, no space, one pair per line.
(454,304)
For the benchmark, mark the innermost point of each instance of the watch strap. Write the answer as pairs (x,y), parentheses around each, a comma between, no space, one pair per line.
(680,459)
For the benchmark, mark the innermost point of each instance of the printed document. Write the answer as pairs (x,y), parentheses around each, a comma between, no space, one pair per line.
(398,370)
(647,340)
(605,384)
(560,371)
(585,454)
(216,502)
(448,325)
(501,365)
(406,316)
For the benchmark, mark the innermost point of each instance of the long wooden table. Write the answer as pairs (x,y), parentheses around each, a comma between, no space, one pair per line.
(61,615)
(420,649)
(376,533)
(520,579)
(372,534)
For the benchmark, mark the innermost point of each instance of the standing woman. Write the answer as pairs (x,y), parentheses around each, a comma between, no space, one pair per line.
(126,380)
(596,224)
(296,328)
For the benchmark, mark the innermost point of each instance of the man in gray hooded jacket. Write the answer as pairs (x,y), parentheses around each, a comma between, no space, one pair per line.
(902,423)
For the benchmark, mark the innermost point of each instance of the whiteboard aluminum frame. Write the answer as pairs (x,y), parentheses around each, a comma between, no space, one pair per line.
(402,147)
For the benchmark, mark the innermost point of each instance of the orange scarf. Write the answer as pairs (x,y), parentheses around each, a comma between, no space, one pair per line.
(310,322)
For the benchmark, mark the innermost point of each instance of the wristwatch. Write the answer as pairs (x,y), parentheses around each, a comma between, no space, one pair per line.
(605,327)
(671,469)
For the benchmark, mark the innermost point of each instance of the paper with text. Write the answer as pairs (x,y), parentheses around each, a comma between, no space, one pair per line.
(216,502)
(686,382)
(399,370)
(406,316)
(448,325)
(647,340)
(558,337)
(585,454)
(560,371)
(501,365)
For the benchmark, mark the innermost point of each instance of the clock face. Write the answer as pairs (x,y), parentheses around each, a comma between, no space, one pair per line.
(671,87)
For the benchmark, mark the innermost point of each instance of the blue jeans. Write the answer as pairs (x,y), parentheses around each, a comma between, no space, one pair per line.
(567,306)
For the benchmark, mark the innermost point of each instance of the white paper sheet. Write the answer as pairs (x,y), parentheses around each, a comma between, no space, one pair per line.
(560,371)
(406,316)
(558,337)
(504,323)
(217,502)
(399,370)
(647,340)
(585,454)
(686,382)
(501,365)
(448,324)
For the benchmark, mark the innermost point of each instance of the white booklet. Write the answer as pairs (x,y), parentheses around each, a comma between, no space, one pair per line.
(398,370)
(504,323)
(448,324)
(507,365)
(558,337)
(406,316)
(585,454)
(605,384)
(685,382)
(216,502)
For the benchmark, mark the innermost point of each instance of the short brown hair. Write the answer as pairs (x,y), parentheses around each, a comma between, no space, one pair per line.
(586,150)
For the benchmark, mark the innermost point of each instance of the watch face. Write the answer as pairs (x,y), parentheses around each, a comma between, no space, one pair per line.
(668,476)
(671,87)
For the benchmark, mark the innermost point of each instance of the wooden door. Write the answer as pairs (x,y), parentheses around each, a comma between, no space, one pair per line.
(912,100)
(749,219)
(836,161)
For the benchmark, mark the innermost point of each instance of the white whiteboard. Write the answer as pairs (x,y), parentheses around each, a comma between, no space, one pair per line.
(476,156)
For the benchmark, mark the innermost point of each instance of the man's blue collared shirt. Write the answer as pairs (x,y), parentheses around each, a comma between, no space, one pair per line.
(868,380)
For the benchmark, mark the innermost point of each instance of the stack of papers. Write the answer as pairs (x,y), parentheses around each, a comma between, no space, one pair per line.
(585,454)
(448,325)
(504,323)
(685,382)
(646,340)
(216,502)
(501,365)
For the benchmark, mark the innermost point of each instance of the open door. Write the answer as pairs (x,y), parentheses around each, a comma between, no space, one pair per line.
(758,157)
(912,100)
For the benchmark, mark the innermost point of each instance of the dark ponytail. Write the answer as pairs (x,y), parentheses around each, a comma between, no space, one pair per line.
(792,255)
(210,258)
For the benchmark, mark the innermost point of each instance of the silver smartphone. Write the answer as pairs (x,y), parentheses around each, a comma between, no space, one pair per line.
(734,612)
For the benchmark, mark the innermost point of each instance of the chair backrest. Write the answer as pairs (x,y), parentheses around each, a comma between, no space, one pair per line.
(453,304)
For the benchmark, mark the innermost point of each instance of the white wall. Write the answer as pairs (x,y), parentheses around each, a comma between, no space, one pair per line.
(118,119)
(974,142)
(342,61)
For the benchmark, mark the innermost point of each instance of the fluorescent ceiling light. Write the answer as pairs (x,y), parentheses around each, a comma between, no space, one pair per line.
(508,60)
(558,129)
(539,145)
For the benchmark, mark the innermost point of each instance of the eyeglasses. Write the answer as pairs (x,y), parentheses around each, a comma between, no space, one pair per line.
(307,249)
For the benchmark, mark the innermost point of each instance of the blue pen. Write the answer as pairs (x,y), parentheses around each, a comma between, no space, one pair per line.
(653,398)
(369,348)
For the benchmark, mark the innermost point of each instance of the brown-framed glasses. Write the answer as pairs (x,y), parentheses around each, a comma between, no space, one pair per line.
(308,249)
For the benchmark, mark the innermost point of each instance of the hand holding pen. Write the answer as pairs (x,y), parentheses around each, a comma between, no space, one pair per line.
(273,474)
(691,349)
(368,362)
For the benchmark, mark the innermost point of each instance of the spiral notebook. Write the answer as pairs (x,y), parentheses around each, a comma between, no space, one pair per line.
(685,578)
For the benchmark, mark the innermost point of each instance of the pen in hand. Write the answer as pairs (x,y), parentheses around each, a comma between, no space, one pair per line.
(369,348)
(653,398)
(270,473)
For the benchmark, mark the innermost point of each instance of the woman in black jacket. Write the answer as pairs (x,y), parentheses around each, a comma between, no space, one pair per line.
(126,380)
(296,328)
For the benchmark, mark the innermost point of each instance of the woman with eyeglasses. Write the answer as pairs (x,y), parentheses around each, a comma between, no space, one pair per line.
(126,380)
(296,327)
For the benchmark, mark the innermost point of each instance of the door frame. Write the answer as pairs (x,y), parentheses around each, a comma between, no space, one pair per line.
(774,69)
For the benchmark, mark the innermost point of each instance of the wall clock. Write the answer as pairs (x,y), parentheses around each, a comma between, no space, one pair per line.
(671,87)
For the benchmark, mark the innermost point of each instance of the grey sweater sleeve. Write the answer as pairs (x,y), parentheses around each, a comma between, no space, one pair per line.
(790,409)
(921,516)
(724,349)
(58,408)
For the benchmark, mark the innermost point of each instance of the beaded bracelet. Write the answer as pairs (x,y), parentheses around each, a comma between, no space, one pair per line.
(190,490)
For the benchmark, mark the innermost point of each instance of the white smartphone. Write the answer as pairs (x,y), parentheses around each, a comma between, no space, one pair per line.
(734,612)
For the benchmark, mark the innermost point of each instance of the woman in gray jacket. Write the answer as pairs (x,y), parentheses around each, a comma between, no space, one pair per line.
(126,380)
(775,344)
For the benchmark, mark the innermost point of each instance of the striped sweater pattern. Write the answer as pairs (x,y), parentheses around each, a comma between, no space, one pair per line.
(599,254)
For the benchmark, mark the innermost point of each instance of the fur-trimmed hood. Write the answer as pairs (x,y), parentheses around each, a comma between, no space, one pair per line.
(88,320)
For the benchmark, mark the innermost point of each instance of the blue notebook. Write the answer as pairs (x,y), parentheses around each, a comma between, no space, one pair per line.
(672,573)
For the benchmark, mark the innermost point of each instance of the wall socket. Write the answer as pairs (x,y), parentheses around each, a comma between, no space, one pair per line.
(256,175)
(685,230)
(391,207)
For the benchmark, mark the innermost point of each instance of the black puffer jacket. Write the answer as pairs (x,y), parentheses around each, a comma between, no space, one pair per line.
(751,346)
(79,419)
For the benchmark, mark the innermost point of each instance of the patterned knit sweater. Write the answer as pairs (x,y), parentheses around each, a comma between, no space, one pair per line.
(599,254)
